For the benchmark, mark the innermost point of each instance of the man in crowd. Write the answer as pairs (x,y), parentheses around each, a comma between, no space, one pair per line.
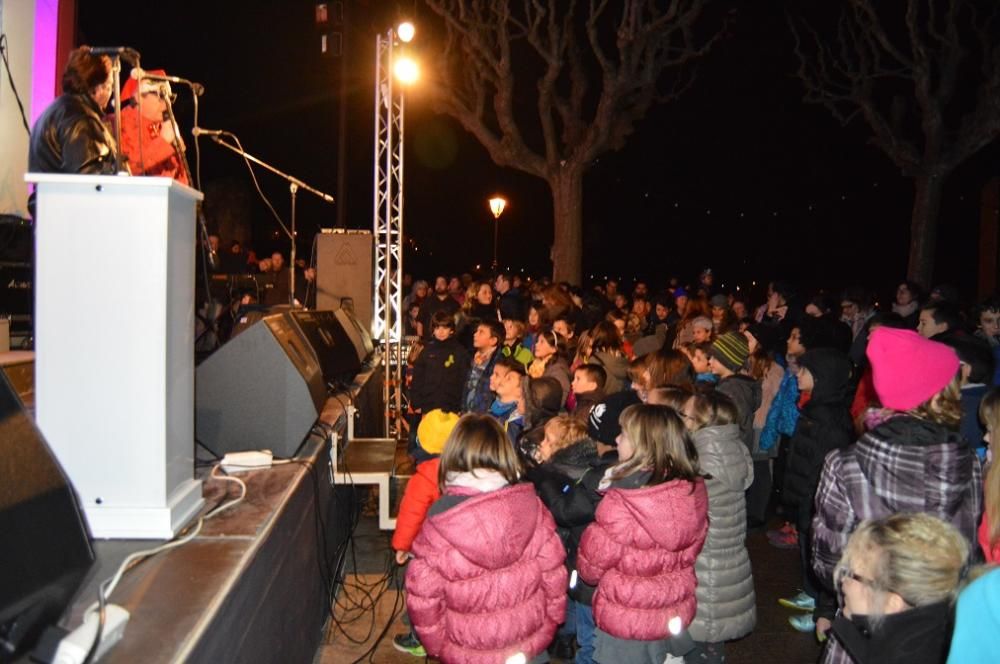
(440,300)
(511,304)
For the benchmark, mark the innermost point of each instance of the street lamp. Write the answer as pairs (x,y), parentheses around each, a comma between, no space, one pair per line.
(497,205)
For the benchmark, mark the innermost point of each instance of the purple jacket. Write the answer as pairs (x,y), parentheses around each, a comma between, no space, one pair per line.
(640,553)
(487,580)
(904,465)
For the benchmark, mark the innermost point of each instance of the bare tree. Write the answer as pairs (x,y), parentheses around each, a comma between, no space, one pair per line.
(924,75)
(596,71)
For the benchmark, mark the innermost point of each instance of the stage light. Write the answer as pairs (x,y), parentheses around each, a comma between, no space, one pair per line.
(405,32)
(406,70)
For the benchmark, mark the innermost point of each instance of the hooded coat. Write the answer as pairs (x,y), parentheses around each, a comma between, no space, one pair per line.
(567,484)
(616,368)
(824,425)
(640,553)
(906,464)
(726,601)
(487,580)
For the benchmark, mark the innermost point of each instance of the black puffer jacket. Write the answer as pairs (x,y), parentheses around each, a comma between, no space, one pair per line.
(567,484)
(746,393)
(69,137)
(824,425)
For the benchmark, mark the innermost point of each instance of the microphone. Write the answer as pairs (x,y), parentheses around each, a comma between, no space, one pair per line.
(198,131)
(140,74)
(129,54)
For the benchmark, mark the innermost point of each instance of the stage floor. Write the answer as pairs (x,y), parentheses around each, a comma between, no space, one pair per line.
(253,585)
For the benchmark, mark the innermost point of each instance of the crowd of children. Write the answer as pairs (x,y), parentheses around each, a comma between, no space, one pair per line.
(589,465)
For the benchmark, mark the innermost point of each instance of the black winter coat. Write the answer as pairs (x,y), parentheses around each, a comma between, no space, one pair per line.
(69,137)
(439,375)
(823,426)
(567,484)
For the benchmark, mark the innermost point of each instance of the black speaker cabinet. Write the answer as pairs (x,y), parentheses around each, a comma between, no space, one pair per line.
(360,335)
(335,351)
(46,546)
(264,389)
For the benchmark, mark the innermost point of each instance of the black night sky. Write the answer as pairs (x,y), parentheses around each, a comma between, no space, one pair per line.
(739,174)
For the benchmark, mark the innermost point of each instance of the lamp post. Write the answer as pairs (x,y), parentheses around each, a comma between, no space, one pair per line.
(497,205)
(390,67)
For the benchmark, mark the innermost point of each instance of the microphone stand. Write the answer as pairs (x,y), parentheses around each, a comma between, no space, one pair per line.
(209,259)
(116,70)
(294,184)
(168,116)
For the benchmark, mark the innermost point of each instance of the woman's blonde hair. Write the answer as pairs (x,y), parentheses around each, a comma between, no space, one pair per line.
(661,445)
(945,407)
(989,413)
(472,296)
(478,442)
(915,555)
(564,430)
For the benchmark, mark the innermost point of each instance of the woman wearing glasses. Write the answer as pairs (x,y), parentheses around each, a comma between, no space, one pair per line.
(898,578)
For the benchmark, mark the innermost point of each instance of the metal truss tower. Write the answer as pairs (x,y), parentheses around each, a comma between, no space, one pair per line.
(388,228)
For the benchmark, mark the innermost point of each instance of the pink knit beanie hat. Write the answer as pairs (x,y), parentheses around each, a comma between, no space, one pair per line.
(907,369)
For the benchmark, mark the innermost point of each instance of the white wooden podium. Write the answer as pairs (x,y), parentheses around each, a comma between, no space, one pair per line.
(114,344)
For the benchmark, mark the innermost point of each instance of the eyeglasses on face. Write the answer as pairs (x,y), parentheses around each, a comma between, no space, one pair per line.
(847,573)
(156,93)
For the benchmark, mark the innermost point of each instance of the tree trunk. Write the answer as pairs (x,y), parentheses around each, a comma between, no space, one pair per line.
(923,228)
(567,241)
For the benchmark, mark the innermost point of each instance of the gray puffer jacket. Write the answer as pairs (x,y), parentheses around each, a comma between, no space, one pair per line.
(726,601)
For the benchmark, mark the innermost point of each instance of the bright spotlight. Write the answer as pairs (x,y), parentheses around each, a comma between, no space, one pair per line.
(405,31)
(406,70)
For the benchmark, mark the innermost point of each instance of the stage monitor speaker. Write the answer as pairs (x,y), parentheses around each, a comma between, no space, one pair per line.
(345,270)
(46,550)
(335,351)
(262,390)
(360,335)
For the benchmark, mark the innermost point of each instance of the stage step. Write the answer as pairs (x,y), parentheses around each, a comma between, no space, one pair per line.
(369,461)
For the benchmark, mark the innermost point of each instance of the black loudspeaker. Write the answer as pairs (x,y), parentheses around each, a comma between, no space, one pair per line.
(360,335)
(262,390)
(333,347)
(46,550)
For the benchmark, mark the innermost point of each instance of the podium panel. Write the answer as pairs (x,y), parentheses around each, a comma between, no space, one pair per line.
(118,414)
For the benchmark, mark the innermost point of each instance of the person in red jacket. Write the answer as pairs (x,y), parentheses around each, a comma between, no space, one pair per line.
(147,134)
(421,492)
(648,530)
(486,584)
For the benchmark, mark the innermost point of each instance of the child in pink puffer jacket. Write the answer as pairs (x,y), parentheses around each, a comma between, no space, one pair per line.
(487,580)
(641,549)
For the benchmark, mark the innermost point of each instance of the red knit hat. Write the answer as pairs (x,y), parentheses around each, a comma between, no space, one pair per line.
(129,88)
(907,369)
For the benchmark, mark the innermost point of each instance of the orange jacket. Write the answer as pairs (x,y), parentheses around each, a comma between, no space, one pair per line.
(421,492)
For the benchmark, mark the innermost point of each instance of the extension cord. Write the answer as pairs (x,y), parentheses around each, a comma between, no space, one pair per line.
(74,647)
(241,462)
